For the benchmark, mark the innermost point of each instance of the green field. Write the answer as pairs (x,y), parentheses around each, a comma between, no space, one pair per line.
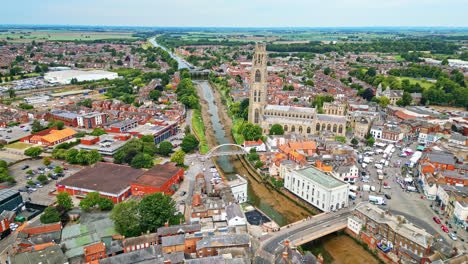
(424,84)
(62,35)
(18,145)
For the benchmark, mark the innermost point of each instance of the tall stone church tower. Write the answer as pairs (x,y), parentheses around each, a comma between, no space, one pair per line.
(258,84)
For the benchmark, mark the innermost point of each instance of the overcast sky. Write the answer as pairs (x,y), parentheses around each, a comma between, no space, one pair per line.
(238,13)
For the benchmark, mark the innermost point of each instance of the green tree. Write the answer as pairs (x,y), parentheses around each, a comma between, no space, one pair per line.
(142,160)
(165,148)
(29,172)
(90,201)
(58,169)
(46,161)
(105,204)
(155,95)
(354,141)
(251,131)
(30,183)
(98,132)
(178,157)
(189,143)
(276,129)
(405,100)
(253,156)
(59,124)
(445,62)
(147,138)
(126,219)
(33,152)
(71,156)
(82,157)
(155,209)
(42,178)
(259,164)
(11,93)
(93,156)
(36,126)
(59,153)
(50,215)
(383,101)
(64,199)
(370,141)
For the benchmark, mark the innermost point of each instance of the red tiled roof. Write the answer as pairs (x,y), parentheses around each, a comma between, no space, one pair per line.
(93,249)
(43,229)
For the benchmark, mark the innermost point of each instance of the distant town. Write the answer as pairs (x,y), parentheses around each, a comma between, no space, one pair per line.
(219,145)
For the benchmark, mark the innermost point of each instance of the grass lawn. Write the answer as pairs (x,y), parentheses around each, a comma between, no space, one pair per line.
(424,84)
(398,58)
(235,131)
(199,129)
(19,145)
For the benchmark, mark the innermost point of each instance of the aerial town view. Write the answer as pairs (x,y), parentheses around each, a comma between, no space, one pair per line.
(234,132)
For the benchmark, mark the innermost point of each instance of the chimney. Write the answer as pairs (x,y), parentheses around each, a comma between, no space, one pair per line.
(166,224)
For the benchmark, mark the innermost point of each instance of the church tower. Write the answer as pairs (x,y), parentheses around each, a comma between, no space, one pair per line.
(258,84)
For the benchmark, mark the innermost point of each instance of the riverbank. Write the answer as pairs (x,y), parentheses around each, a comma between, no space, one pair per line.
(282,210)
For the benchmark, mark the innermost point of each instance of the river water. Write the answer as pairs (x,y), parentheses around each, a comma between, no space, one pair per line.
(182,62)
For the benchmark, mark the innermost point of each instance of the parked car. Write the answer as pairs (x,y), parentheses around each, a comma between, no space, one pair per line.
(65,168)
(28,177)
(25,167)
(182,193)
(444,228)
(38,184)
(388,196)
(29,209)
(53,177)
(452,236)
(436,219)
(30,188)
(22,190)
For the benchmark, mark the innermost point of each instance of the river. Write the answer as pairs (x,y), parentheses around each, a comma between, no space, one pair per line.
(182,63)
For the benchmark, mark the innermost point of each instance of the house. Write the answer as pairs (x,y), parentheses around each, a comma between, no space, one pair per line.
(431,160)
(234,215)
(258,145)
(346,172)
(50,254)
(171,244)
(139,242)
(95,252)
(209,246)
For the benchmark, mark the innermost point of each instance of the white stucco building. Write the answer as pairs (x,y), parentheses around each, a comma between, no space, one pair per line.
(235,216)
(376,132)
(239,189)
(355,224)
(323,191)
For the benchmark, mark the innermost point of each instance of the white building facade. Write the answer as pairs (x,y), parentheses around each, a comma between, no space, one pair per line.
(239,189)
(323,191)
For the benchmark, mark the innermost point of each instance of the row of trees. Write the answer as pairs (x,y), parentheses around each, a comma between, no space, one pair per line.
(385,46)
(4,177)
(187,94)
(73,156)
(37,126)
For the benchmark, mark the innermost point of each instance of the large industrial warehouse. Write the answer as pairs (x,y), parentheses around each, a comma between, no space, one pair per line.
(65,77)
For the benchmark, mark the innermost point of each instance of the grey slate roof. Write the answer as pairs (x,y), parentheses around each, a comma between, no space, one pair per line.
(441,157)
(177,229)
(231,240)
(234,210)
(173,240)
(137,256)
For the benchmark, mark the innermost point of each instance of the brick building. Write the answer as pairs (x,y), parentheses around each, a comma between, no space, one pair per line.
(95,252)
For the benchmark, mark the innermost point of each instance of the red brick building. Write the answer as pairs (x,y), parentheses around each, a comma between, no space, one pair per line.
(158,179)
(50,137)
(95,252)
(118,182)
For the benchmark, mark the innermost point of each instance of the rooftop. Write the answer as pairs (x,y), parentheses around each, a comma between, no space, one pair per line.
(319,177)
(158,175)
(103,177)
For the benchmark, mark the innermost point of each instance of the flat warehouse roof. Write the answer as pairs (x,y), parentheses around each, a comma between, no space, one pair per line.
(103,177)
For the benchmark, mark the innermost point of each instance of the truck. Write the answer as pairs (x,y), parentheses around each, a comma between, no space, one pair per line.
(366,187)
(377,200)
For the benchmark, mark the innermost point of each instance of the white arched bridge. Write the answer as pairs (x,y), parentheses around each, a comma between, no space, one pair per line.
(217,151)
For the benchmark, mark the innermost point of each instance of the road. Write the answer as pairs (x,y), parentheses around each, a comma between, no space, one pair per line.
(300,231)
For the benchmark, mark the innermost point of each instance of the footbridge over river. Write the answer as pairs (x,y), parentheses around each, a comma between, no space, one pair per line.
(301,232)
(218,151)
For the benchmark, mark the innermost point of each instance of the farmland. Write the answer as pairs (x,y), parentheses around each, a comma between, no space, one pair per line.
(61,35)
